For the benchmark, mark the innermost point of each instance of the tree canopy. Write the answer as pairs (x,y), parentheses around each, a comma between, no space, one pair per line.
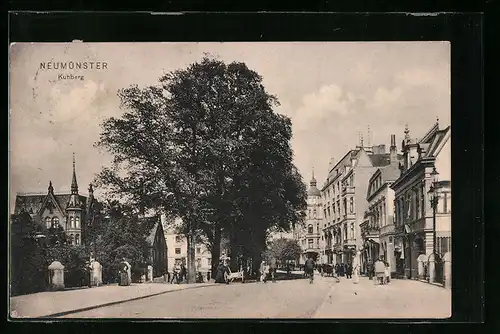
(205,144)
(283,249)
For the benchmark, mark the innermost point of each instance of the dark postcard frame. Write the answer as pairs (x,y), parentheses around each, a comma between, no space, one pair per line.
(464,30)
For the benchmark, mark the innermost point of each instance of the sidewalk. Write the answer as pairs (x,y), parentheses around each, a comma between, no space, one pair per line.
(56,303)
(398,299)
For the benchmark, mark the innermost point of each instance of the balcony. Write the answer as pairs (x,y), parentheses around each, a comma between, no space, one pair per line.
(349,216)
(349,242)
(387,229)
(369,231)
(347,190)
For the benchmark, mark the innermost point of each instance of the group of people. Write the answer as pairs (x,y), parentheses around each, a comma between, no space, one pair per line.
(178,274)
(344,269)
(268,270)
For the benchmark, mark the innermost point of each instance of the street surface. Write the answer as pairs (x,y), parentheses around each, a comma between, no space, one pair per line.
(289,299)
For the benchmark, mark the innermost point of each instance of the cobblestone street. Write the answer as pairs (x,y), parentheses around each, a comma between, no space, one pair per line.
(289,299)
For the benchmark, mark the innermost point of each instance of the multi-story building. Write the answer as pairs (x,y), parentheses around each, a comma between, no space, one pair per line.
(177,250)
(413,210)
(309,235)
(377,229)
(71,211)
(344,200)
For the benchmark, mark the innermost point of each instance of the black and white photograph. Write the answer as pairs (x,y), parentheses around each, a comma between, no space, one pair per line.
(241,180)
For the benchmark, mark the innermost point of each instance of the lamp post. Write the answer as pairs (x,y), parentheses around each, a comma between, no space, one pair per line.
(434,200)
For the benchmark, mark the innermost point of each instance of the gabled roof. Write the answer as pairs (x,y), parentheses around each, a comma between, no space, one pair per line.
(34,204)
(437,142)
(390,173)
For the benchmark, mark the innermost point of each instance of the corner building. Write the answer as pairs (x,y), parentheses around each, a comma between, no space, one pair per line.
(309,236)
(414,214)
(344,201)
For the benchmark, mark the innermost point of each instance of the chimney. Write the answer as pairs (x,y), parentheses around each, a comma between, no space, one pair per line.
(392,150)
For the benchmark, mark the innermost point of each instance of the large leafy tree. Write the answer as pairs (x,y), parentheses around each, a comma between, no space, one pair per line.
(28,266)
(205,145)
(118,232)
(283,250)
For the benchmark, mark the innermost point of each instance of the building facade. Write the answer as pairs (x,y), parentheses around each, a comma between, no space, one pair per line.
(413,211)
(177,250)
(309,235)
(345,203)
(71,211)
(377,229)
(157,249)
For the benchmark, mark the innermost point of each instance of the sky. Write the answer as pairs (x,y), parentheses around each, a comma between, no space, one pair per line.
(332,92)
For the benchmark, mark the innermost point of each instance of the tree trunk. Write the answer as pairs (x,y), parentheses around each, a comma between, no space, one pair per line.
(191,265)
(215,250)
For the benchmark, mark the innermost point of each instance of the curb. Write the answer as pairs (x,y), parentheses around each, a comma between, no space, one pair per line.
(88,308)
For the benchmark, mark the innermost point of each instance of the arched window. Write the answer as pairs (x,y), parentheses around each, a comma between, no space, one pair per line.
(351,205)
(55,222)
(71,239)
(47,222)
(77,222)
(77,239)
(310,229)
(72,222)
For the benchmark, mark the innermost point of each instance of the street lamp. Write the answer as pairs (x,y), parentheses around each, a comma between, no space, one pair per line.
(434,199)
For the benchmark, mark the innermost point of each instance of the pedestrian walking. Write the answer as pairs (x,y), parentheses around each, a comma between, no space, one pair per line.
(222,271)
(355,269)
(264,271)
(387,273)
(380,271)
(349,271)
(175,274)
(182,272)
(369,269)
(272,269)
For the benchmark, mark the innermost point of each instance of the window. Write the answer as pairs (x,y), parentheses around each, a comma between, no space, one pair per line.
(443,245)
(314,213)
(422,200)
(177,251)
(77,222)
(351,205)
(77,239)
(71,221)
(310,229)
(71,239)
(345,231)
(310,243)
(417,203)
(55,222)
(178,239)
(352,231)
(198,250)
(47,222)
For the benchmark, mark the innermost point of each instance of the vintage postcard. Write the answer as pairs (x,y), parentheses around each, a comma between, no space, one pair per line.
(230,180)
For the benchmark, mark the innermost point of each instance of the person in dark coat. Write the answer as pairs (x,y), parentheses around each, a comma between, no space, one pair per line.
(348,271)
(183,272)
(221,271)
